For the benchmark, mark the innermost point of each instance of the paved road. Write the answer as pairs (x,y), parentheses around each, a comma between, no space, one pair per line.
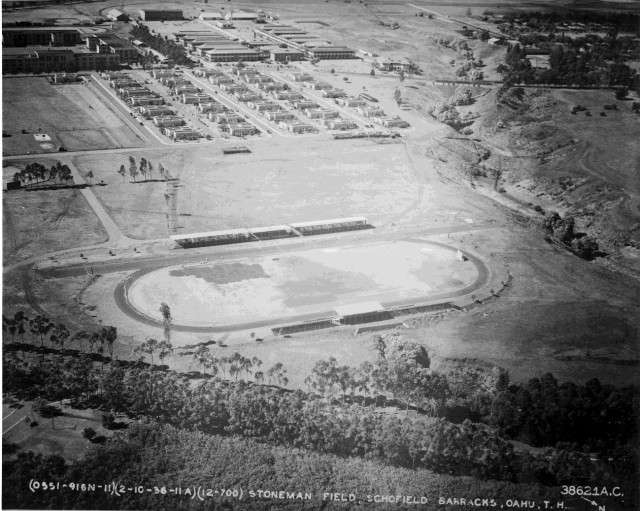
(109,97)
(243,250)
(113,231)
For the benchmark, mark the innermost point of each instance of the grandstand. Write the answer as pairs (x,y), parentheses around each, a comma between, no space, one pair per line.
(272,232)
(328,226)
(205,239)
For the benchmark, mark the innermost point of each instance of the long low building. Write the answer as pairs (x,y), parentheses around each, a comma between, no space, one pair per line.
(331,53)
(234,55)
(205,239)
(52,59)
(146,101)
(224,237)
(160,15)
(243,129)
(328,226)
(169,120)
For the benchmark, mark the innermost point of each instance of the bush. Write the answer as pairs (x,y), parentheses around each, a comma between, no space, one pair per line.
(108,421)
(89,433)
(45,410)
(585,247)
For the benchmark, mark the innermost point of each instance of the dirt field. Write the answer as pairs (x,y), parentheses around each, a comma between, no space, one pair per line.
(313,281)
(70,114)
(42,221)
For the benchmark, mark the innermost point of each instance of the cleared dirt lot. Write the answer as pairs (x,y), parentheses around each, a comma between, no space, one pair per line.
(70,114)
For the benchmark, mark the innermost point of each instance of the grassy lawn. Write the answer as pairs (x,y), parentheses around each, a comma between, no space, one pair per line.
(70,114)
(37,222)
(294,181)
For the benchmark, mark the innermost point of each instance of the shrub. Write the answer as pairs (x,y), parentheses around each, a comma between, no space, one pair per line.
(89,433)
(108,420)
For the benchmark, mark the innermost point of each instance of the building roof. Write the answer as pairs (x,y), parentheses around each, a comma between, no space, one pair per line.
(286,51)
(270,228)
(116,13)
(359,308)
(325,222)
(240,49)
(41,29)
(210,234)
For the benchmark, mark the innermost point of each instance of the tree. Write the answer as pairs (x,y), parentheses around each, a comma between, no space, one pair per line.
(164,349)
(167,321)
(89,175)
(133,169)
(40,325)
(122,171)
(89,433)
(53,171)
(373,72)
(149,346)
(143,168)
(61,334)
(622,93)
(150,169)
(108,335)
(65,173)
(80,337)
(162,172)
(202,356)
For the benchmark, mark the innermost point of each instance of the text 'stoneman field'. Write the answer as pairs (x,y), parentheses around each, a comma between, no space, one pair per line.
(307,282)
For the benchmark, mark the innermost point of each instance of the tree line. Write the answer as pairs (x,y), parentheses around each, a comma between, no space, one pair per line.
(600,65)
(170,49)
(42,174)
(144,168)
(541,412)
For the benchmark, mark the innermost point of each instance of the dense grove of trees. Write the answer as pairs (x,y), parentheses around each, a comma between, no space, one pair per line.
(583,63)
(462,426)
(170,49)
(541,412)
(155,456)
(551,20)
(40,174)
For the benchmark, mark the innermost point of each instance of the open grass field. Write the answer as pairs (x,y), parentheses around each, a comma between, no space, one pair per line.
(284,182)
(312,281)
(70,114)
(41,221)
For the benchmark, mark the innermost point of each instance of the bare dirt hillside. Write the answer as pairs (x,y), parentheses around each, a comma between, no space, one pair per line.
(583,164)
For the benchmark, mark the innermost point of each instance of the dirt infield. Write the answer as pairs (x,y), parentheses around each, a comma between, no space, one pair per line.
(304,284)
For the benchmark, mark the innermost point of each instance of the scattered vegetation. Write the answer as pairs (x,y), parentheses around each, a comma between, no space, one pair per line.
(563,230)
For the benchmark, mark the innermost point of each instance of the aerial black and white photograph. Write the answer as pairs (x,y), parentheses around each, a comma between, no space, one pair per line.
(321,255)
